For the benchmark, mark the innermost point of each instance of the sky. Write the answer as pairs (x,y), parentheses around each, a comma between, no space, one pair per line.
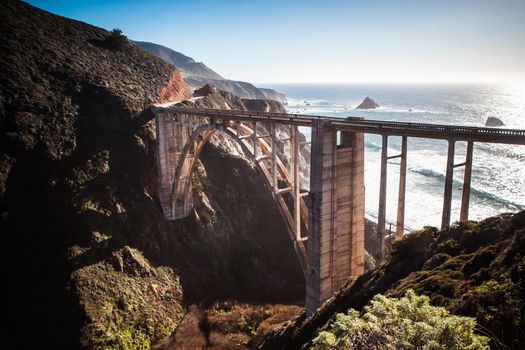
(326,41)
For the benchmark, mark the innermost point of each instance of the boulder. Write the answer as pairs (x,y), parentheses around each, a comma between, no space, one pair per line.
(206,90)
(368,103)
(493,121)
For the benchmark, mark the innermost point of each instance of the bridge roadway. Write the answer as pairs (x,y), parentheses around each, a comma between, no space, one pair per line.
(328,232)
(423,130)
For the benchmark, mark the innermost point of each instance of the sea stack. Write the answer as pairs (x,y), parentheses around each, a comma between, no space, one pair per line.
(368,103)
(493,121)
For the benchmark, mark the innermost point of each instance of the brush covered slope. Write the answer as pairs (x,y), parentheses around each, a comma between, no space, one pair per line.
(474,269)
(88,259)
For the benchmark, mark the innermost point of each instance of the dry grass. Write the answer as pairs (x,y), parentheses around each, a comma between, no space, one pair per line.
(229,325)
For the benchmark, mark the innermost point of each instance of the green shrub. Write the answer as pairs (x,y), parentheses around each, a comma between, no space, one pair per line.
(496,299)
(125,339)
(116,40)
(406,323)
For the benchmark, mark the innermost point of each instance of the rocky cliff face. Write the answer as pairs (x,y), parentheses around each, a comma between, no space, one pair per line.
(88,259)
(196,74)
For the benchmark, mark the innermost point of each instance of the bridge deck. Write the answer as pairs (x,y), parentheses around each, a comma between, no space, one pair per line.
(425,130)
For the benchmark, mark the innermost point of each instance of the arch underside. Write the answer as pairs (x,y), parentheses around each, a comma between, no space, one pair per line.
(266,160)
(333,223)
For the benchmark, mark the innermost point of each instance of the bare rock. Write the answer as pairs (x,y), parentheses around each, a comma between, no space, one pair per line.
(493,121)
(368,103)
(206,90)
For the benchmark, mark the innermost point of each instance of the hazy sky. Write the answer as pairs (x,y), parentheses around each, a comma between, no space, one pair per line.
(327,41)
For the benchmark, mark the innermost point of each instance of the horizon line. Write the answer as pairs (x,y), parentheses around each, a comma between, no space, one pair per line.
(401,82)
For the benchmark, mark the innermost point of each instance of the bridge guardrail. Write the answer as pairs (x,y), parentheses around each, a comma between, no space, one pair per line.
(436,131)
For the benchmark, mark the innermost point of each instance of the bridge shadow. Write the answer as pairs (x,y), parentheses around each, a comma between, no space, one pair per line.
(234,245)
(254,256)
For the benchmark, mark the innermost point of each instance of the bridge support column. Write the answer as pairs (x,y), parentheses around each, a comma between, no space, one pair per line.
(447,198)
(173,131)
(465,196)
(381,212)
(294,164)
(400,226)
(336,220)
(166,154)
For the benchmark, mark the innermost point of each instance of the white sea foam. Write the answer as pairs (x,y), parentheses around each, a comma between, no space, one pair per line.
(428,172)
(498,177)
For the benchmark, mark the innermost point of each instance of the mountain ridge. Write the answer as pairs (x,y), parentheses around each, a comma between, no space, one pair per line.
(197,74)
(185,64)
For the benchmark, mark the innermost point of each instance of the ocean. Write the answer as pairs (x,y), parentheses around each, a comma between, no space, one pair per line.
(498,176)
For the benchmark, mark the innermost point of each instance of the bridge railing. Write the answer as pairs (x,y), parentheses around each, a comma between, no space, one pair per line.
(428,130)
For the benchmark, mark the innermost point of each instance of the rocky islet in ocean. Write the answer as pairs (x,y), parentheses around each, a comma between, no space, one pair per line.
(493,121)
(368,103)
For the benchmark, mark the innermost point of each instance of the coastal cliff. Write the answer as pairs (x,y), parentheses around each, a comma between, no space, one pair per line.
(88,259)
(197,74)
(475,269)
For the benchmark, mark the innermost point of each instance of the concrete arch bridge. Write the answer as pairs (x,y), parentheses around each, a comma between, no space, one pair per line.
(326,221)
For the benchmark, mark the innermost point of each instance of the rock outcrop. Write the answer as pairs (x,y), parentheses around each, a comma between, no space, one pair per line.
(368,103)
(493,121)
(88,259)
(239,88)
(196,74)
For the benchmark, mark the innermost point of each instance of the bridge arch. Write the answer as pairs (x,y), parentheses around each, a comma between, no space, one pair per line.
(328,235)
(181,190)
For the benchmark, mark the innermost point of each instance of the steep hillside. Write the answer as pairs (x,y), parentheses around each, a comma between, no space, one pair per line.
(88,259)
(239,88)
(473,269)
(186,65)
(196,74)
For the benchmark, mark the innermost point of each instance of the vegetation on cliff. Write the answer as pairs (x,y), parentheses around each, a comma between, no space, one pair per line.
(409,322)
(474,269)
(71,97)
(88,259)
(229,325)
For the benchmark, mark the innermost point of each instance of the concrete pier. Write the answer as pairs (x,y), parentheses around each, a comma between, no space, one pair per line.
(336,236)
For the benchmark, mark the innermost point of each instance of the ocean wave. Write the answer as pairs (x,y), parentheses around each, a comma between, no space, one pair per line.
(428,172)
(372,146)
(480,194)
(494,199)
(407,109)
(507,151)
(295,103)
